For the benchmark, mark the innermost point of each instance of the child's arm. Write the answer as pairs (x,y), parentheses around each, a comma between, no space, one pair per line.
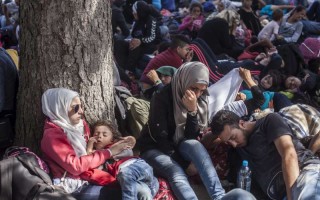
(90,145)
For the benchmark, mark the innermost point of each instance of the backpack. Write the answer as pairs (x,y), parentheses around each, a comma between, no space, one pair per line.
(23,178)
(6,130)
(293,59)
(310,48)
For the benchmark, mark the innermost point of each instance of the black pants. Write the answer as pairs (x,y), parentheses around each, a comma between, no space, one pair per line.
(129,59)
(7,128)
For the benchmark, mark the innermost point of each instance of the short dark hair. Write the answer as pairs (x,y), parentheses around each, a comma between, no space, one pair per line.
(179,41)
(115,133)
(163,46)
(222,118)
(195,5)
(277,14)
(297,9)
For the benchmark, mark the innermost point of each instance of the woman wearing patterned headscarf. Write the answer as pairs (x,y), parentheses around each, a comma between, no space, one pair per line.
(64,147)
(178,114)
(219,33)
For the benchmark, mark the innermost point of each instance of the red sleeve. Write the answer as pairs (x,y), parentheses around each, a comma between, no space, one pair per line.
(56,147)
(98,177)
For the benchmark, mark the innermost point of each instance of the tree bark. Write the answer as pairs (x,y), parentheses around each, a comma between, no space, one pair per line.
(63,44)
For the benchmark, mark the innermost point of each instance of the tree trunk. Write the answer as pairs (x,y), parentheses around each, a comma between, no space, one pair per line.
(63,44)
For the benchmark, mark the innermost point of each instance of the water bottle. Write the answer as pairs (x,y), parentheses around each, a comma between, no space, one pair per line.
(244,177)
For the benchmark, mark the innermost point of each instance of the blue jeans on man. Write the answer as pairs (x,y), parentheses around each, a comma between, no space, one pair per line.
(307,185)
(191,150)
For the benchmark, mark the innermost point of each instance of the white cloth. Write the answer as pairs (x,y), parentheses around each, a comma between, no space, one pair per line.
(224,91)
(70,185)
(55,105)
(238,107)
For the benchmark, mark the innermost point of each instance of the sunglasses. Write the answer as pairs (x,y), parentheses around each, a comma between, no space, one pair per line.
(76,108)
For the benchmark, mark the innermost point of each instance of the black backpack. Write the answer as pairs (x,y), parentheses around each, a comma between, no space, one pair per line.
(23,178)
(293,59)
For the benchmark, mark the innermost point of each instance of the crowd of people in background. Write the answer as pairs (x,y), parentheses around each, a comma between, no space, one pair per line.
(200,85)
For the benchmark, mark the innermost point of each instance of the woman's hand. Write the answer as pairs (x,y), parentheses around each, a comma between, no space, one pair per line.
(119,146)
(240,96)
(189,100)
(90,145)
(245,74)
(134,43)
(131,141)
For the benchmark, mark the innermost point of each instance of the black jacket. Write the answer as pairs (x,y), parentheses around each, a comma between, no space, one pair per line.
(147,31)
(160,129)
(118,20)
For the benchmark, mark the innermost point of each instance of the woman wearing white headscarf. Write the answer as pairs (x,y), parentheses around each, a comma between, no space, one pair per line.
(64,146)
(178,113)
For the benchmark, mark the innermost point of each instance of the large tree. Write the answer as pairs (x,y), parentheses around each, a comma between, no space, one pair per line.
(63,44)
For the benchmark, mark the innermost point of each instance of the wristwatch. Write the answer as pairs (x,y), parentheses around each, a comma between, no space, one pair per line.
(193,113)
(158,82)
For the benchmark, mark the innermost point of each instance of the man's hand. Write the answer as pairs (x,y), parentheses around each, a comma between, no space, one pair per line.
(189,56)
(314,145)
(134,43)
(189,100)
(153,76)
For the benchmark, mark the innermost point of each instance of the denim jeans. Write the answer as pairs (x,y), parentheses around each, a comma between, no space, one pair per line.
(193,151)
(307,185)
(96,192)
(313,12)
(311,28)
(131,175)
(164,166)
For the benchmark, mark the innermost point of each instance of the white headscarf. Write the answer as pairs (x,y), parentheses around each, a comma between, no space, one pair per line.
(187,75)
(55,105)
